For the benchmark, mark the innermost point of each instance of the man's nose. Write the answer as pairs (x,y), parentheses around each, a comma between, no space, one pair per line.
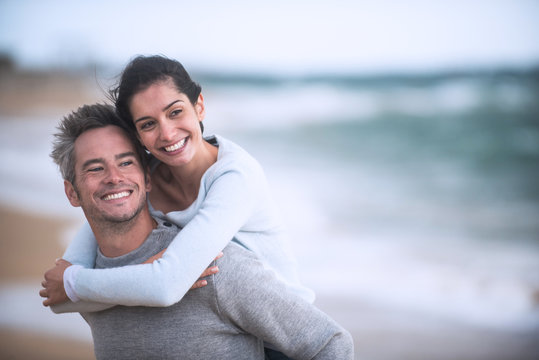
(114,176)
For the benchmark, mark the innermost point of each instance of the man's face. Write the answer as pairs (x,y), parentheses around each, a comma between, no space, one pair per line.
(109,179)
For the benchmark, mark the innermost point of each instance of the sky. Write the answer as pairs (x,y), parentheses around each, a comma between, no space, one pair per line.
(275,36)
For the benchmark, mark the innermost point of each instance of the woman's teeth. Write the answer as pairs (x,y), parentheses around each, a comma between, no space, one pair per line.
(176,146)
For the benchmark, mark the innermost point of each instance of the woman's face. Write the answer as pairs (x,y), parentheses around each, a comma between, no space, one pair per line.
(167,123)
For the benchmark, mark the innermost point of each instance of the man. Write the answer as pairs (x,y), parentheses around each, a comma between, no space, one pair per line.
(241,308)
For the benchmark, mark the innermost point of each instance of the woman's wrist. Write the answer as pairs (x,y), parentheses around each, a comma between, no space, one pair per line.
(70,275)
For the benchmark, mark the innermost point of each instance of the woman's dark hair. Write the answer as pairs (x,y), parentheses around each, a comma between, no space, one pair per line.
(144,71)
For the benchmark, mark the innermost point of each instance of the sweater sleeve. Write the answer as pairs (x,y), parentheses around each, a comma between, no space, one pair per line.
(253,299)
(79,307)
(83,248)
(226,208)
(81,251)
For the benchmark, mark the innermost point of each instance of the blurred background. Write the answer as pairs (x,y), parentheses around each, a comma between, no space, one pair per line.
(401,141)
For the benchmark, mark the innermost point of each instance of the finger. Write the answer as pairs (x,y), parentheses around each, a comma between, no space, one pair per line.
(221,254)
(44,283)
(47,302)
(199,284)
(210,271)
(43,293)
(63,262)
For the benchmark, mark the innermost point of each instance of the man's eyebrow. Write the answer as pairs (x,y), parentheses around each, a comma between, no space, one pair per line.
(125,154)
(92,162)
(164,109)
(101,160)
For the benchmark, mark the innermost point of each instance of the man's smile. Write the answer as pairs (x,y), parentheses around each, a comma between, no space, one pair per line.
(115,196)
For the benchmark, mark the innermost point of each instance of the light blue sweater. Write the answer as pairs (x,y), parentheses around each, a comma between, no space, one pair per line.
(233,204)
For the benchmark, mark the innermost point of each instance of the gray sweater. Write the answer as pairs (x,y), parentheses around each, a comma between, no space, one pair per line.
(243,306)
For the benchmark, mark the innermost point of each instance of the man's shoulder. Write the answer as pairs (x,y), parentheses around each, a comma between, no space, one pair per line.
(241,271)
(237,256)
(238,264)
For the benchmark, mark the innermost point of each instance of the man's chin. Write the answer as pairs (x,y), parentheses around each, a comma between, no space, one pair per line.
(120,218)
(114,216)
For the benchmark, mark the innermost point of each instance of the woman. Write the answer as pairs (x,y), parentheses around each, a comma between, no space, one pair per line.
(211,188)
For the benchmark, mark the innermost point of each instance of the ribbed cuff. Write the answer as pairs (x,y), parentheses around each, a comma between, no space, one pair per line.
(70,274)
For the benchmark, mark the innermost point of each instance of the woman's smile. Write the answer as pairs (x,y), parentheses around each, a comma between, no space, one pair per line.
(179,145)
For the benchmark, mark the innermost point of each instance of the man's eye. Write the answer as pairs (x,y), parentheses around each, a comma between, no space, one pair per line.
(95,169)
(126,163)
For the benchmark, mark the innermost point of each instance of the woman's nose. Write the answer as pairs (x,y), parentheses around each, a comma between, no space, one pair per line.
(166,131)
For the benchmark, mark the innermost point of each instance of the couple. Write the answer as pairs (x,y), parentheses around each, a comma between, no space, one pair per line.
(211,189)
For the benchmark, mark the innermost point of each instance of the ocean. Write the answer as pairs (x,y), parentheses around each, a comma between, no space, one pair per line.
(419,192)
(416,191)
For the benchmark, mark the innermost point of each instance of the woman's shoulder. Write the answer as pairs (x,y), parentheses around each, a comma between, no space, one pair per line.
(228,148)
(232,157)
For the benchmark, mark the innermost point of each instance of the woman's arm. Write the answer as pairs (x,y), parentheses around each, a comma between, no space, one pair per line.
(82,252)
(56,296)
(80,307)
(225,210)
(83,248)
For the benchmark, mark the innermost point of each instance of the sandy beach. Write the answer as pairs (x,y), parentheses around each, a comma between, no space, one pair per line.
(18,345)
(29,245)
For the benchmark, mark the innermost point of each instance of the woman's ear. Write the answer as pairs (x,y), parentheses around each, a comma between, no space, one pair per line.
(199,107)
(71,194)
(148,180)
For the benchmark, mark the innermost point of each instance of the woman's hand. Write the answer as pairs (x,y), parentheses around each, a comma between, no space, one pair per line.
(155,257)
(200,282)
(53,285)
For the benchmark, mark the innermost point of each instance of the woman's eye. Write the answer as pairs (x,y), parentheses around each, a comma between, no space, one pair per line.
(175,112)
(146,125)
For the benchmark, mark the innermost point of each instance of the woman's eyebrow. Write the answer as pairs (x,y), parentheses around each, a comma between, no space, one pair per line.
(164,109)
(172,103)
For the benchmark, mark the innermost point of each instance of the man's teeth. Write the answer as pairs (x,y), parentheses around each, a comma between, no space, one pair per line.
(116,196)
(176,146)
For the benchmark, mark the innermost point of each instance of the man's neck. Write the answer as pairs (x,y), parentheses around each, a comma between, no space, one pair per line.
(116,239)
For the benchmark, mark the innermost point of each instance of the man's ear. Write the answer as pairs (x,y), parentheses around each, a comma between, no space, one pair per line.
(71,194)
